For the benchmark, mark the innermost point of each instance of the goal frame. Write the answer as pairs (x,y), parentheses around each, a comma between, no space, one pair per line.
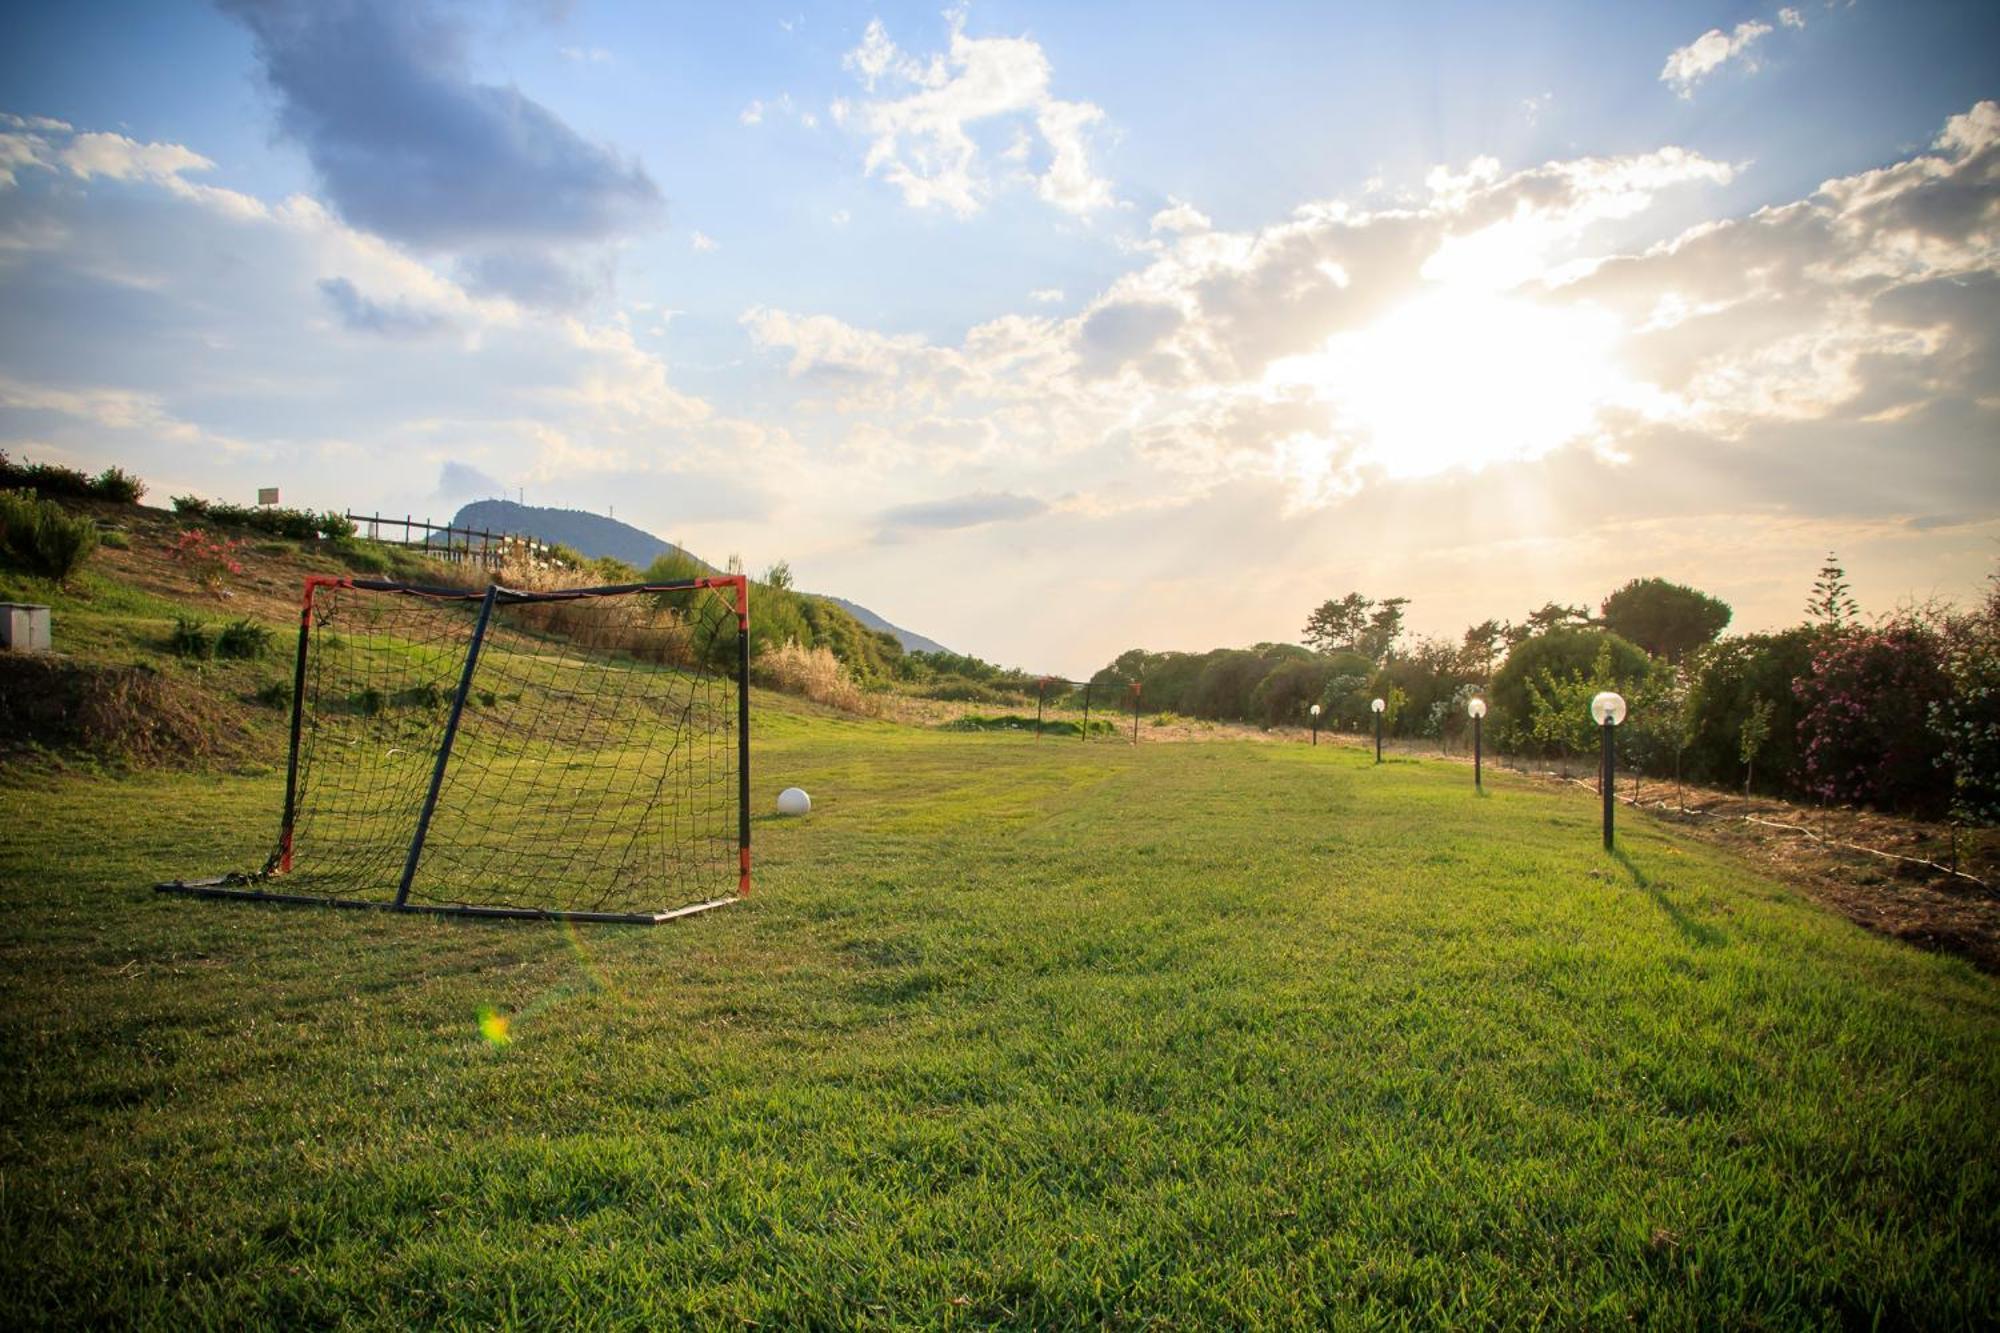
(250,887)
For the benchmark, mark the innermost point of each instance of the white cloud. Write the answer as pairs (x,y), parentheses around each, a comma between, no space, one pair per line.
(753,114)
(585,55)
(1690,64)
(840,217)
(1180,217)
(702,243)
(305,349)
(1791,18)
(1046,296)
(921,141)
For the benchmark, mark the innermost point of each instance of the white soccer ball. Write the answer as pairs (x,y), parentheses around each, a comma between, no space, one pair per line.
(794,801)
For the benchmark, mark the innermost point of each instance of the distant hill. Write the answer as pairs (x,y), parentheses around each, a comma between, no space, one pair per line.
(586,533)
(595,535)
(912,641)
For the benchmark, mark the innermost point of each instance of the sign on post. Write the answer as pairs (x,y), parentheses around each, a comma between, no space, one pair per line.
(267,495)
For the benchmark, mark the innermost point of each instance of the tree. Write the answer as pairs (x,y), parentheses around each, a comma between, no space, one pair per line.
(1751,736)
(1668,620)
(779,576)
(1338,626)
(1385,626)
(1554,616)
(1559,700)
(1661,725)
(1480,646)
(1832,605)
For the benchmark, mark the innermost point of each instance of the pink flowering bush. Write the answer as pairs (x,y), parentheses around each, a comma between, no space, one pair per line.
(208,559)
(1866,710)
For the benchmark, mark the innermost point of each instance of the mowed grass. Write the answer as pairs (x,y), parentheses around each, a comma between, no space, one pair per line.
(1012,1032)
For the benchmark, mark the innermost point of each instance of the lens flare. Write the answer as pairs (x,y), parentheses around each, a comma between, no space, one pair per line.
(494,1025)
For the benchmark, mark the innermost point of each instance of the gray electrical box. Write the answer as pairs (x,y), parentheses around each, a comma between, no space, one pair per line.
(24,628)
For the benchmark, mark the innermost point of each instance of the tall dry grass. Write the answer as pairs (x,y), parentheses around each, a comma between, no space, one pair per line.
(812,672)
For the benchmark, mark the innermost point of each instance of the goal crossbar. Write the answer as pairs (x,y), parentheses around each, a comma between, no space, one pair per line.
(595,792)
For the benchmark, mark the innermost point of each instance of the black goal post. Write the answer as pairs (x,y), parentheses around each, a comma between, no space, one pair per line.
(579,753)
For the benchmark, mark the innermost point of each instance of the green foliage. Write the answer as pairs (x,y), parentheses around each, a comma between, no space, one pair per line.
(1727,681)
(1289,689)
(610,571)
(54,480)
(41,538)
(115,539)
(275,694)
(191,638)
(779,615)
(363,557)
(243,639)
(116,484)
(1559,701)
(1050,726)
(298,524)
(1668,620)
(1558,664)
(1755,732)
(1967,721)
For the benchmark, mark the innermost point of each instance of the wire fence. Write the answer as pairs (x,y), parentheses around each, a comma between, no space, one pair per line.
(480,547)
(1963,855)
(1047,707)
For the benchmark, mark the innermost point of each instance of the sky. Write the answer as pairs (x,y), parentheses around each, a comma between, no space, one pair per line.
(1046,330)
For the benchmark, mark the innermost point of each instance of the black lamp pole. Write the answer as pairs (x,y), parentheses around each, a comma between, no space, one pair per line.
(1378,737)
(1604,782)
(1315,718)
(1477,785)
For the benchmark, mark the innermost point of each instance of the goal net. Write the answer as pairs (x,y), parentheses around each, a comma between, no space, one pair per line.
(582,753)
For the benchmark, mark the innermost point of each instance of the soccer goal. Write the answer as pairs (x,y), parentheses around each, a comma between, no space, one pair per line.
(581,754)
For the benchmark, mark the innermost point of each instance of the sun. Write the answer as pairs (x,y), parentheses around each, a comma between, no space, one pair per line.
(1460,377)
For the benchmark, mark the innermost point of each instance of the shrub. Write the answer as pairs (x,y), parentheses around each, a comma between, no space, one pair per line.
(113,483)
(40,537)
(274,694)
(1969,721)
(1732,676)
(298,524)
(209,560)
(243,639)
(1865,726)
(191,639)
(115,539)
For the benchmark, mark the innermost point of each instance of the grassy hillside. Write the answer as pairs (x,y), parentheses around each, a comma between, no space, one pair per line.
(1010,1033)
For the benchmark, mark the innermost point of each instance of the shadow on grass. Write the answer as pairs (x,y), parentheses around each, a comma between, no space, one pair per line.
(1705,935)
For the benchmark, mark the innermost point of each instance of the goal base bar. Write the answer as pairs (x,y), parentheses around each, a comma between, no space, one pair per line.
(222,887)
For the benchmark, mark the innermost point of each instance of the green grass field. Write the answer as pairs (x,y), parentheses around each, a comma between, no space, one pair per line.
(1011,1033)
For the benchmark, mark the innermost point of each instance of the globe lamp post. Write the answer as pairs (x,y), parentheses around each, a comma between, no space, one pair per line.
(1476,707)
(1607,709)
(1379,708)
(1315,716)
